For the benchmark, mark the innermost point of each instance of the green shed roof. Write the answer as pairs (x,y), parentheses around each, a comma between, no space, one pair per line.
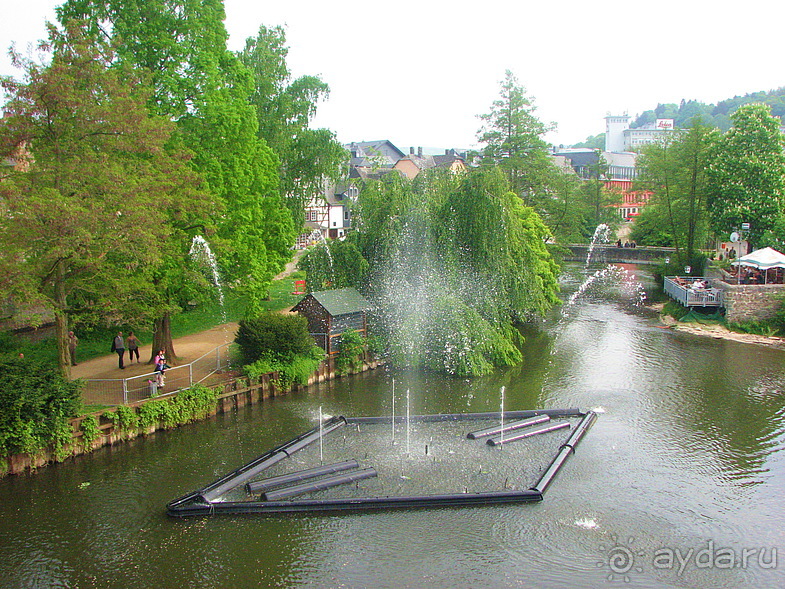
(341,301)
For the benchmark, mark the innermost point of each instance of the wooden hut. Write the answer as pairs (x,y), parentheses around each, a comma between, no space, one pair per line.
(331,312)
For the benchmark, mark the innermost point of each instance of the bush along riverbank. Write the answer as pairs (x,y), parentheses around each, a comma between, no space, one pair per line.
(27,445)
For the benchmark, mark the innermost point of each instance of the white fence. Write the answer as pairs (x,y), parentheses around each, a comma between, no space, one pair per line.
(678,288)
(118,391)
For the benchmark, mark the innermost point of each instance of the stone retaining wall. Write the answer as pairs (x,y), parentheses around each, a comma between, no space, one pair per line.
(236,393)
(751,302)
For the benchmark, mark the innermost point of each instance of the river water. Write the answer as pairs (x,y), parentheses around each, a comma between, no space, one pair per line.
(679,483)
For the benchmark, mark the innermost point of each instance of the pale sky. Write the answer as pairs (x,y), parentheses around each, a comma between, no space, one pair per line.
(419,73)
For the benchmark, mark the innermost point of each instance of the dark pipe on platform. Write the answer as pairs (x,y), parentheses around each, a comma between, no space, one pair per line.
(300,475)
(492,431)
(566,449)
(581,429)
(523,414)
(528,434)
(325,483)
(244,473)
(356,504)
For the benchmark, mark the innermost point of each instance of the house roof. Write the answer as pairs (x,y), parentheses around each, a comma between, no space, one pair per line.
(340,301)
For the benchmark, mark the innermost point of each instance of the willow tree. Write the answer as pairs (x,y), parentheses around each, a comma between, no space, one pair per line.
(456,261)
(81,219)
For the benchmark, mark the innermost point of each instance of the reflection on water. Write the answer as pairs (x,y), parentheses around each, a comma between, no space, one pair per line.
(687,456)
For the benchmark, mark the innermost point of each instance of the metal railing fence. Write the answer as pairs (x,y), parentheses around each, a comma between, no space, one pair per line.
(118,391)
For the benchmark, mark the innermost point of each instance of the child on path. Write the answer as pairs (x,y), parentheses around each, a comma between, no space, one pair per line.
(160,368)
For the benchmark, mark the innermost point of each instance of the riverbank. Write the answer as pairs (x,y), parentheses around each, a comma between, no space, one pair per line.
(718,331)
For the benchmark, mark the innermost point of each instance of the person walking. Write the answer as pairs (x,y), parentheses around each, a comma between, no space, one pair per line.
(73,341)
(118,345)
(133,346)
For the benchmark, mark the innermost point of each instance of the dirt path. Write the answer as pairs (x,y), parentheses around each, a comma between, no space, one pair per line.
(187,348)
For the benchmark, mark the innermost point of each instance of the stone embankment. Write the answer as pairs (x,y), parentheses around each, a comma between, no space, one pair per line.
(236,392)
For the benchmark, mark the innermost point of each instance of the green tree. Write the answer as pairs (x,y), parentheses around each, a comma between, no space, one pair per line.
(564,212)
(86,221)
(284,108)
(513,138)
(746,173)
(674,170)
(206,90)
(456,261)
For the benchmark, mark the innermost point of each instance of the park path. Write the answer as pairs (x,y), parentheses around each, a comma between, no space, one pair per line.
(187,348)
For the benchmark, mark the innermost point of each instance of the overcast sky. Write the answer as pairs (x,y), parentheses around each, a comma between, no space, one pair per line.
(419,73)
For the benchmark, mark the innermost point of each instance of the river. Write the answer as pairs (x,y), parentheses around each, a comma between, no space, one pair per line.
(679,483)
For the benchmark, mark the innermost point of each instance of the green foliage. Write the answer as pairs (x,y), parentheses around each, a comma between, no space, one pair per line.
(350,356)
(187,406)
(36,405)
(675,310)
(207,91)
(460,342)
(296,368)
(747,174)
(90,432)
(757,327)
(513,138)
(78,234)
(675,171)
(334,264)
(455,261)
(274,336)
(687,112)
(284,108)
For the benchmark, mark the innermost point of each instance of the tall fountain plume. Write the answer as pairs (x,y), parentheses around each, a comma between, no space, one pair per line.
(601,235)
(201,253)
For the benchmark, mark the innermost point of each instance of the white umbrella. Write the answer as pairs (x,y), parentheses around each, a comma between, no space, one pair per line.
(764,259)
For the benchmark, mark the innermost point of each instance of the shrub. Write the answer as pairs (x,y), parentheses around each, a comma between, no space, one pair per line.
(350,356)
(273,335)
(36,405)
(90,432)
(296,369)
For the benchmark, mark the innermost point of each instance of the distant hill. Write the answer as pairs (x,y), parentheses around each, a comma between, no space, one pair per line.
(715,115)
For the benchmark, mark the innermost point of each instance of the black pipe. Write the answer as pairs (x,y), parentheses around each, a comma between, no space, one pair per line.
(522,414)
(244,473)
(300,475)
(528,434)
(566,449)
(355,504)
(491,431)
(581,429)
(321,484)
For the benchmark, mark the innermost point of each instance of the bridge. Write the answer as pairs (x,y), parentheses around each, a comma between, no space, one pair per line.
(608,254)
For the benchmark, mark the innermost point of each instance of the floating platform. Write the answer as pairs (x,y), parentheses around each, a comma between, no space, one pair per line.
(378,463)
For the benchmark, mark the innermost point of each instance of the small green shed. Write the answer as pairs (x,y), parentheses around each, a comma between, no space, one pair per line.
(331,312)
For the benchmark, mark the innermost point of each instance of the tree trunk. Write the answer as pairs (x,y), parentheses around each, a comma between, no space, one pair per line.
(162,339)
(61,321)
